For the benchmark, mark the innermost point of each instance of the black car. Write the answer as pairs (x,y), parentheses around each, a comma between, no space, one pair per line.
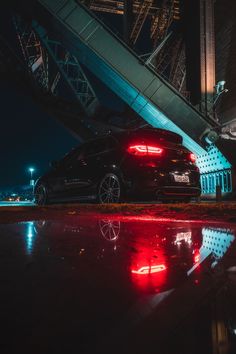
(144,163)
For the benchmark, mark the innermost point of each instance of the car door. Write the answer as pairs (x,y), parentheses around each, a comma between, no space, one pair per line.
(57,176)
(67,175)
(76,181)
(87,169)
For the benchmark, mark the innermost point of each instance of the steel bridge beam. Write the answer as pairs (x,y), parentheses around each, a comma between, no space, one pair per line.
(107,57)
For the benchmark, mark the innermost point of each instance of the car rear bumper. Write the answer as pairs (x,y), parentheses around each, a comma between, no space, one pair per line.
(174,191)
(162,185)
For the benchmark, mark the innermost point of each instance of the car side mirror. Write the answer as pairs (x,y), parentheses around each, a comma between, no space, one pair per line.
(54,164)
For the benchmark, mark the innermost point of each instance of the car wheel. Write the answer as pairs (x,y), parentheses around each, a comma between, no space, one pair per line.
(109,189)
(41,195)
(110,229)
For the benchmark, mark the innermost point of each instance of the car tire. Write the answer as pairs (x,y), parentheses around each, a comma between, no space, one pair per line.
(41,195)
(109,189)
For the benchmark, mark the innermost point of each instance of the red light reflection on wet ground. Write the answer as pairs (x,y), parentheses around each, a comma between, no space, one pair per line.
(94,271)
(149,269)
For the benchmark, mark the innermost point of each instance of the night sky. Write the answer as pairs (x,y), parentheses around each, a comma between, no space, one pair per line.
(28,137)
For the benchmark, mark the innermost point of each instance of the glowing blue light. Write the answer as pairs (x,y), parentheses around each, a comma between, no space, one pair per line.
(30,235)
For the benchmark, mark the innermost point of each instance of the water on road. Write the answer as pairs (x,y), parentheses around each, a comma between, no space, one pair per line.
(116,284)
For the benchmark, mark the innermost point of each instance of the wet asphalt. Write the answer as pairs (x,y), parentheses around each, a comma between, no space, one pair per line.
(117,284)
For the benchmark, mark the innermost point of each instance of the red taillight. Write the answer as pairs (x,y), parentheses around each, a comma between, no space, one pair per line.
(192,157)
(144,150)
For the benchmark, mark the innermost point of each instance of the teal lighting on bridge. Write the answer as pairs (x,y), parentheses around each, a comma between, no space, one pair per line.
(143,106)
(215,242)
(138,85)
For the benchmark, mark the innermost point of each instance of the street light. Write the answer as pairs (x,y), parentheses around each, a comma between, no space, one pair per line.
(31,170)
(219,90)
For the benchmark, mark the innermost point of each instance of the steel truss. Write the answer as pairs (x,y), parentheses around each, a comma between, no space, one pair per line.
(117,7)
(38,50)
(140,20)
(162,15)
(163,19)
(169,60)
(33,53)
(71,72)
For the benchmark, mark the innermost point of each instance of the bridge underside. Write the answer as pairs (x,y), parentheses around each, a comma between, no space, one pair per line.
(105,58)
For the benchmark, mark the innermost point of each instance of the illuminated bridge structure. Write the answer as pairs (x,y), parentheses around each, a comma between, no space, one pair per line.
(215,242)
(86,55)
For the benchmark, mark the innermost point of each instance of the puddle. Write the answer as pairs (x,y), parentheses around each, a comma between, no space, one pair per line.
(85,278)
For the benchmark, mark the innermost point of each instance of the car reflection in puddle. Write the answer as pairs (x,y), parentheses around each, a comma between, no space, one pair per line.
(131,265)
(159,255)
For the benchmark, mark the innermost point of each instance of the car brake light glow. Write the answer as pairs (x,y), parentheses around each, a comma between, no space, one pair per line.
(144,150)
(192,157)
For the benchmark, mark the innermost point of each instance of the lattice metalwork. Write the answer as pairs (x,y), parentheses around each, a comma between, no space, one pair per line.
(162,15)
(69,70)
(140,20)
(117,7)
(162,20)
(169,60)
(178,69)
(36,58)
(37,50)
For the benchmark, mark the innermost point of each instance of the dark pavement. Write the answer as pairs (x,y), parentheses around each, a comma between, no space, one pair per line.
(116,284)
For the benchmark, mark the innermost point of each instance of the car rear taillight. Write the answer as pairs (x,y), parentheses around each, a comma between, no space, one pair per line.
(144,150)
(192,157)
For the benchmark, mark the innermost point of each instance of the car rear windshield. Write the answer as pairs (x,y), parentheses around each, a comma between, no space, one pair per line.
(157,134)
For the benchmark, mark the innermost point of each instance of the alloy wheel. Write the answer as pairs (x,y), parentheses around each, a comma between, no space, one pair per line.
(110,229)
(109,189)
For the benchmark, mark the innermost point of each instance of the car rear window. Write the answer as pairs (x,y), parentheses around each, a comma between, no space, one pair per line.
(151,135)
(157,134)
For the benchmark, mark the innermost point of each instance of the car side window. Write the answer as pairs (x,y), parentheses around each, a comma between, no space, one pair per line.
(72,156)
(99,146)
(96,147)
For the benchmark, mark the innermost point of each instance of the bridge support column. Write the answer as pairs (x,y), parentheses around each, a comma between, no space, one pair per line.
(207,55)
